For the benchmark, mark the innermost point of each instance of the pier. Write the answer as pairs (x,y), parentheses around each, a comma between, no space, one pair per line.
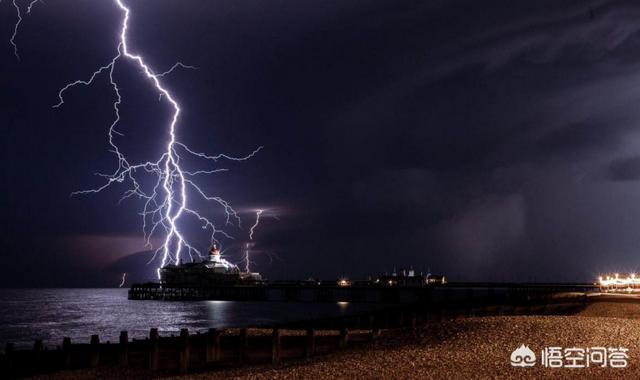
(304,292)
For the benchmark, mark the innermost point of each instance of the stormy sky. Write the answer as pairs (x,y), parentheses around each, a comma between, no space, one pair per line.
(492,140)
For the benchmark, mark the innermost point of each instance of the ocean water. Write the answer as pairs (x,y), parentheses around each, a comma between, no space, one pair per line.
(51,314)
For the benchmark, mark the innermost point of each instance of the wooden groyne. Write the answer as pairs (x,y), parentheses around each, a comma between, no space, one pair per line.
(220,348)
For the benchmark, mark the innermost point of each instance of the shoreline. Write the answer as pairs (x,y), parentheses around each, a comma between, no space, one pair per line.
(465,347)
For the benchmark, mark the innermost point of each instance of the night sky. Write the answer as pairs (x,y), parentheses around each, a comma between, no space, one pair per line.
(484,140)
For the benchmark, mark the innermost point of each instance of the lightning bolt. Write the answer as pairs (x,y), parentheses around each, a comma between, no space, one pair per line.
(12,40)
(168,199)
(124,278)
(258,213)
(247,259)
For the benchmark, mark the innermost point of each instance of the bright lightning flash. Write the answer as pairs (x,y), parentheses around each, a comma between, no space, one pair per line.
(124,278)
(258,213)
(12,41)
(248,246)
(168,199)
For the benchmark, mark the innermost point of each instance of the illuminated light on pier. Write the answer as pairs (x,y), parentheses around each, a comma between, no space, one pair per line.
(615,282)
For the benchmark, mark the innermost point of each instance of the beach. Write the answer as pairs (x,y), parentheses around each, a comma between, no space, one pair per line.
(476,347)
(465,347)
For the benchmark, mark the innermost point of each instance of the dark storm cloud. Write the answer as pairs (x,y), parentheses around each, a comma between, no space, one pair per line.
(469,137)
(625,169)
(537,79)
(573,138)
(486,228)
(553,91)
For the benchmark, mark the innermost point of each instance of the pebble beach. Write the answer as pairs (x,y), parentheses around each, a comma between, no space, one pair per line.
(474,348)
(461,348)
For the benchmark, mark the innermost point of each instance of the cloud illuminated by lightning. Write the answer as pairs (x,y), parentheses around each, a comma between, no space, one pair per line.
(168,200)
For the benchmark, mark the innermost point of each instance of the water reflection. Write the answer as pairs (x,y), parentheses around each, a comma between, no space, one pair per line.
(219,311)
(51,314)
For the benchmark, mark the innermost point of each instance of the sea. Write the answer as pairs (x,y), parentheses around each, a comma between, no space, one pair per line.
(52,314)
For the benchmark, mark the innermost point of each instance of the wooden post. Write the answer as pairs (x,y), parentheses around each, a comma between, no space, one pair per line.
(183,360)
(343,338)
(95,351)
(458,311)
(37,353)
(243,345)
(276,346)
(213,346)
(123,359)
(8,352)
(375,335)
(153,349)
(66,349)
(311,342)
